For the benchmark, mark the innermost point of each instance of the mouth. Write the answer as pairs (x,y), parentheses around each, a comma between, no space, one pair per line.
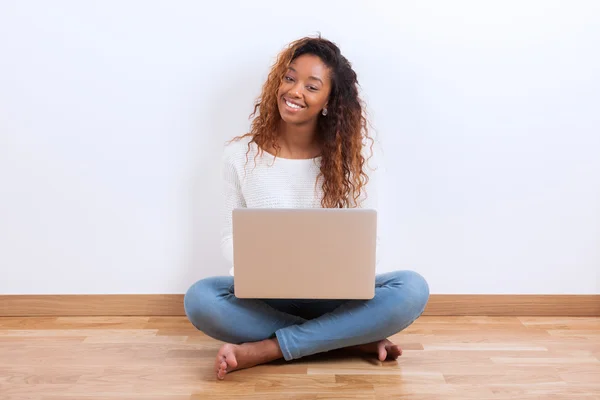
(293,106)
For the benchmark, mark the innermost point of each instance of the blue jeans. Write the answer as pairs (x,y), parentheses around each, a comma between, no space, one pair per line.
(305,327)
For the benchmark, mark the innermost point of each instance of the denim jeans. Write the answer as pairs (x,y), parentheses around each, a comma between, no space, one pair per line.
(305,327)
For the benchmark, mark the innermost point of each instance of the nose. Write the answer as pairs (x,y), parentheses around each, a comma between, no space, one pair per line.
(296,90)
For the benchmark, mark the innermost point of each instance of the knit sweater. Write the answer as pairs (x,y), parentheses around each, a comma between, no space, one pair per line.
(264,181)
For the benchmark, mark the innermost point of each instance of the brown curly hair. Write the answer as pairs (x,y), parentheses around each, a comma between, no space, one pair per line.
(342,132)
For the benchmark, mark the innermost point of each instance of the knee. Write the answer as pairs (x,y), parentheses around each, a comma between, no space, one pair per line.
(418,287)
(413,291)
(200,300)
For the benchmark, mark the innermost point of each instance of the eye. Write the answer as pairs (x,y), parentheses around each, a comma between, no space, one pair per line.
(313,88)
(288,79)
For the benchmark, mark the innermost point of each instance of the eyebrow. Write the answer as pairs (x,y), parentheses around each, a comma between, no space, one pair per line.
(310,77)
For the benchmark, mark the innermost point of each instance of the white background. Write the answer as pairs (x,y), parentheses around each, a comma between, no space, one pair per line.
(113,115)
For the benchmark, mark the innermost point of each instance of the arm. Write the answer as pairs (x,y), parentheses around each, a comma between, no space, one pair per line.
(232,198)
(371,200)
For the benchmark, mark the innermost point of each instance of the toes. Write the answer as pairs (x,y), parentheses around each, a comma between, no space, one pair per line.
(394,352)
(222,370)
(218,361)
(382,352)
(399,350)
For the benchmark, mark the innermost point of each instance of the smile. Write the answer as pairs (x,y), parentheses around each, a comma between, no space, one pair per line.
(291,105)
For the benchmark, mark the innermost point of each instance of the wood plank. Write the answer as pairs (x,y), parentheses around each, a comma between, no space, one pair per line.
(288,396)
(558,391)
(117,396)
(578,323)
(435,392)
(530,378)
(172,305)
(380,381)
(295,383)
(533,361)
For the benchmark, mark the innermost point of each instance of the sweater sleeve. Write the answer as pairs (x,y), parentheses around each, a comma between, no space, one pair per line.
(370,200)
(232,199)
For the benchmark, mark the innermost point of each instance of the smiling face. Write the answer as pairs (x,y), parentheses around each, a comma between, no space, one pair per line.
(304,90)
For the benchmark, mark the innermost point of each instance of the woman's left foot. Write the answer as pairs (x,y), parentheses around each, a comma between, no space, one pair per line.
(384,349)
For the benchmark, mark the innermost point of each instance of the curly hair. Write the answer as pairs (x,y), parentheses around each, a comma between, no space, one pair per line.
(342,132)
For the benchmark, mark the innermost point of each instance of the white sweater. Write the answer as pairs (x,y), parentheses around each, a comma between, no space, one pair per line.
(270,183)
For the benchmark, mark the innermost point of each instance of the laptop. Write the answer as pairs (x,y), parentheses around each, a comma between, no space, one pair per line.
(309,253)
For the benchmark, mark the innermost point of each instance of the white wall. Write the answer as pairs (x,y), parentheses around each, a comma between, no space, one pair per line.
(113,114)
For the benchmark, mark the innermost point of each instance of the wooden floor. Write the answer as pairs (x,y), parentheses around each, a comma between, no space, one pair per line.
(165,358)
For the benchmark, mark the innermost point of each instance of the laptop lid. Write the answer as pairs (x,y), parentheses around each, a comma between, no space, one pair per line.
(314,253)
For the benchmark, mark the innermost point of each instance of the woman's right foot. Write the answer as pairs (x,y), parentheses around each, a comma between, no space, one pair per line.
(384,349)
(232,357)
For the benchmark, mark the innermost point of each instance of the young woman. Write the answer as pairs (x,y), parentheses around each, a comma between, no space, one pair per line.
(305,149)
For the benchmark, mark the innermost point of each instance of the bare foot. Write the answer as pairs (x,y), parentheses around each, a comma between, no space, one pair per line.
(232,357)
(384,349)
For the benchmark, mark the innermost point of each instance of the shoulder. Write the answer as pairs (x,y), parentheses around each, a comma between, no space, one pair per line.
(236,150)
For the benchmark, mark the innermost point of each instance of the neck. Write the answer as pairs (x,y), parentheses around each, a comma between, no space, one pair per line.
(298,141)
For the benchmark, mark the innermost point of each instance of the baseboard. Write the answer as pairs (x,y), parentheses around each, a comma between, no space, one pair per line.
(514,305)
(172,305)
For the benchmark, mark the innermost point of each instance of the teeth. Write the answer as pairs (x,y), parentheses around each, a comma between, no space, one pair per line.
(292,105)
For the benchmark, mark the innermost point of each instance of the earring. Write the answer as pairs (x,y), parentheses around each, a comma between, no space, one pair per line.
(324,112)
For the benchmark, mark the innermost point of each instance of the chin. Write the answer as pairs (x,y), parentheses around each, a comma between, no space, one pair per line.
(290,119)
